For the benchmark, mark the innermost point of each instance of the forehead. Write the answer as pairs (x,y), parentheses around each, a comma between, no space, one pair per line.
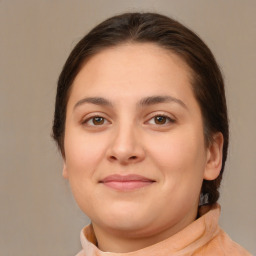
(133,68)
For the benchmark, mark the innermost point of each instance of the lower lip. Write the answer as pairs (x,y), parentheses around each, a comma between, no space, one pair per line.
(127,185)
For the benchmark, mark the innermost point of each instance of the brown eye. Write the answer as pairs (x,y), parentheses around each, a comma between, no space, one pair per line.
(95,121)
(160,119)
(98,120)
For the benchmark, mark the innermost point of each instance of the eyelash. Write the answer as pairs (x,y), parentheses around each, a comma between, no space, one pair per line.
(86,121)
(167,118)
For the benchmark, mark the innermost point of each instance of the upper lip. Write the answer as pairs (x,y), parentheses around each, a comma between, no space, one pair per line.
(125,178)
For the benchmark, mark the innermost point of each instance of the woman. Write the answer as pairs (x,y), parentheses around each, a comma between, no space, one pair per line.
(141,122)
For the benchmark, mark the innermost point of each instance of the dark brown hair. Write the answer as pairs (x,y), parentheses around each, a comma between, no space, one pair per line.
(207,81)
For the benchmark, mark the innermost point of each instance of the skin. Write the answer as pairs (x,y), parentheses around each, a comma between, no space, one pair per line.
(129,139)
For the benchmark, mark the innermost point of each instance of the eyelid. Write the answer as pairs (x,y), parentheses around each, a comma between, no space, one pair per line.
(90,116)
(163,114)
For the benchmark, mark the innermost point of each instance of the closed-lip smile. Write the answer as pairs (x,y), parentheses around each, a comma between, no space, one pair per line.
(126,182)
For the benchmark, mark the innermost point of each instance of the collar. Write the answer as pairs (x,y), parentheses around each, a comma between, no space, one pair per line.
(188,240)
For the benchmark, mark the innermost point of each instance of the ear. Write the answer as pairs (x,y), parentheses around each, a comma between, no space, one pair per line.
(214,157)
(65,171)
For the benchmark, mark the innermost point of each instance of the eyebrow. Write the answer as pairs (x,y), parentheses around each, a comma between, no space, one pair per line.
(148,101)
(94,100)
(160,99)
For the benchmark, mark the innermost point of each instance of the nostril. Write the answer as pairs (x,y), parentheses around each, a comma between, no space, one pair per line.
(122,159)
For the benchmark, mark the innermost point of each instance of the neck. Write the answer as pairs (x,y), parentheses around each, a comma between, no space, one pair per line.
(109,240)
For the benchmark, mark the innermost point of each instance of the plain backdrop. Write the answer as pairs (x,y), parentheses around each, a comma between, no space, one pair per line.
(38,216)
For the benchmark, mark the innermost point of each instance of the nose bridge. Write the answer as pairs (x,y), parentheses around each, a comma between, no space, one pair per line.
(126,145)
(125,137)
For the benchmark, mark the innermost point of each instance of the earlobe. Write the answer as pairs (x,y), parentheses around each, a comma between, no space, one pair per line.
(64,171)
(214,157)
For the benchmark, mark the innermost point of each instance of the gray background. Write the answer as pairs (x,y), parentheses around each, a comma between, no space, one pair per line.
(38,215)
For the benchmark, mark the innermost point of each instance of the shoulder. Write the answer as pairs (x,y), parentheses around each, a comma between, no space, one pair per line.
(222,245)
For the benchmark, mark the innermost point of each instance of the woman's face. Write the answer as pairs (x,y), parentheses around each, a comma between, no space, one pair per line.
(135,153)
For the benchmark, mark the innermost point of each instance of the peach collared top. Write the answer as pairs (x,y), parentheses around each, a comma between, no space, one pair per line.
(201,237)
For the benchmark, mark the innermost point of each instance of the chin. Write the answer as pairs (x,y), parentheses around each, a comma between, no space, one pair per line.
(124,218)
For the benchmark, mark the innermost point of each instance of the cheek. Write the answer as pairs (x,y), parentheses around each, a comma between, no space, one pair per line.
(180,155)
(83,153)
(181,161)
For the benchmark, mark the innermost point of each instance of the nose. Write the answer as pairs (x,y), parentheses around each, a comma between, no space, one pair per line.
(126,146)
